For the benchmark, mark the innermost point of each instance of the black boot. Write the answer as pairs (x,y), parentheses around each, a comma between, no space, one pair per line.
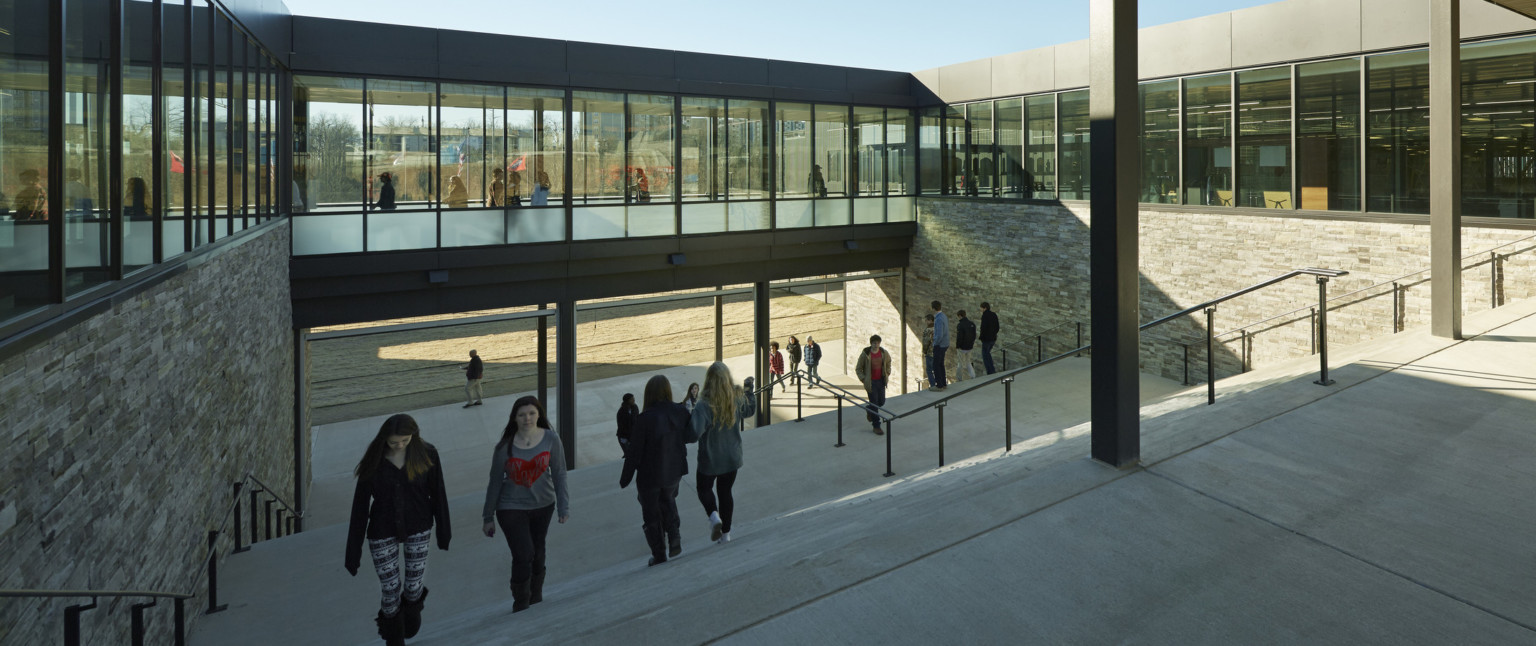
(520,595)
(674,546)
(536,587)
(411,611)
(392,629)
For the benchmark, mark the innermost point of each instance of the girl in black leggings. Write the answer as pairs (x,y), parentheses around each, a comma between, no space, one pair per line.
(714,425)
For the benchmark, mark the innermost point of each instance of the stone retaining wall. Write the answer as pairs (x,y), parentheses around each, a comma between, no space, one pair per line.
(125,431)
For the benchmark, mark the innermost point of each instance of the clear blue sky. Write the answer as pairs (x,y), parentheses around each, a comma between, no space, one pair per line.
(902,35)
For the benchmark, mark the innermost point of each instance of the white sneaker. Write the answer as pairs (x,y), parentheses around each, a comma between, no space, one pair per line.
(724,538)
(714,526)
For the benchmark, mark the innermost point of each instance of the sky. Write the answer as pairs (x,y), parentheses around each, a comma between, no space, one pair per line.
(900,35)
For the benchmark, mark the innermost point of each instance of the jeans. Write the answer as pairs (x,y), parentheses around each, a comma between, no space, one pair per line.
(938,366)
(810,370)
(707,486)
(876,397)
(986,356)
(928,368)
(659,521)
(525,530)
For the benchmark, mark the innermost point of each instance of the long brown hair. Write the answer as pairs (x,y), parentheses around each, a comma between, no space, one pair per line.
(511,429)
(417,461)
(657,390)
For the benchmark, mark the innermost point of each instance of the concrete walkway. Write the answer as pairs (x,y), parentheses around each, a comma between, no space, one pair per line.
(1393,507)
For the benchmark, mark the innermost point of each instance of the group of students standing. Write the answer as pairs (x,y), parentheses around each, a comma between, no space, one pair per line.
(936,344)
(400,498)
(811,353)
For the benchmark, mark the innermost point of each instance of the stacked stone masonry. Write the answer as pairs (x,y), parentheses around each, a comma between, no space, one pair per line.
(1031,262)
(125,432)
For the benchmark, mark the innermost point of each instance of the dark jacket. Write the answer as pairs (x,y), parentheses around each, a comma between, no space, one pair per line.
(989,327)
(658,453)
(965,334)
(386,198)
(388,505)
(813,354)
(625,419)
(794,352)
(476,368)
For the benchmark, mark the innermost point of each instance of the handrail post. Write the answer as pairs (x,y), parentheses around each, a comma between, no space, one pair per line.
(888,471)
(72,622)
(181,622)
(1322,330)
(1244,342)
(268,506)
(1396,313)
(1312,320)
(1493,279)
(1008,413)
(941,407)
(213,573)
(279,518)
(1186,362)
(138,622)
(236,530)
(292,520)
(1039,347)
(254,492)
(1079,337)
(1210,356)
(1005,358)
(799,399)
(839,422)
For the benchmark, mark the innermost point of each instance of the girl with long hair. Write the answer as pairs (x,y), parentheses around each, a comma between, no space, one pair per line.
(657,460)
(527,483)
(399,497)
(714,426)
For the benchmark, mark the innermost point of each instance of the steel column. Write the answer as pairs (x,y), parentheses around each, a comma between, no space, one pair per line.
(1322,331)
(543,354)
(1114,117)
(1210,355)
(1445,168)
(760,314)
(300,420)
(719,325)
(565,380)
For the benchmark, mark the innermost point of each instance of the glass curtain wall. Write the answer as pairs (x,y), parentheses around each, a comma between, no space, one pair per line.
(1040,147)
(1010,148)
(24,161)
(831,141)
(1498,156)
(535,156)
(138,163)
(980,163)
(867,139)
(175,104)
(1160,142)
(1397,132)
(900,165)
(955,148)
(797,176)
(598,160)
(87,95)
(704,137)
(1328,135)
(1264,138)
(931,154)
(1208,140)
(219,122)
(475,163)
(748,128)
(328,168)
(1076,168)
(199,125)
(651,141)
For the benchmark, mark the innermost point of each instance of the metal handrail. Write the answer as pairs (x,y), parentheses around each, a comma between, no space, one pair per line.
(1039,338)
(1312,271)
(72,613)
(94,593)
(1027,337)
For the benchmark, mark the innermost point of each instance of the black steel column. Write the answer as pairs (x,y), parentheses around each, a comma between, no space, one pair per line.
(543,351)
(300,422)
(115,144)
(760,346)
(901,321)
(565,384)
(1113,116)
(719,326)
(54,175)
(1445,168)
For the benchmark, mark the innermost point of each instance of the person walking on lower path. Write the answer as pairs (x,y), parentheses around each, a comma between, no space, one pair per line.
(989,328)
(928,348)
(965,341)
(812,357)
(940,346)
(399,498)
(527,484)
(657,460)
(874,368)
(794,357)
(473,371)
(625,420)
(715,425)
(775,366)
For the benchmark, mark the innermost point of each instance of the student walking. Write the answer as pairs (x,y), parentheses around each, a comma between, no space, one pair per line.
(473,371)
(775,366)
(989,329)
(692,400)
(715,426)
(657,460)
(873,369)
(965,341)
(625,420)
(928,348)
(527,484)
(794,356)
(812,357)
(398,499)
(940,346)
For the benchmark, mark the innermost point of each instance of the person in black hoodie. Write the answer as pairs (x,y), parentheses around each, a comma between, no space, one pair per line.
(989,329)
(625,419)
(965,341)
(399,497)
(657,460)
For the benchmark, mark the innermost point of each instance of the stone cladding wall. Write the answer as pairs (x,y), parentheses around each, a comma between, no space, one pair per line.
(124,433)
(1031,262)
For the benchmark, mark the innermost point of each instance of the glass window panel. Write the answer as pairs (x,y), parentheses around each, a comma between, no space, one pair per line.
(597,156)
(746,141)
(86,210)
(796,178)
(1040,148)
(981,166)
(832,212)
(651,220)
(704,218)
(1160,142)
(536,148)
(322,234)
(389,231)
(473,164)
(1328,135)
(930,133)
(900,209)
(173,105)
(1264,138)
(328,144)
(868,160)
(901,152)
(474,228)
(1076,170)
(1009,114)
(199,122)
(831,138)
(747,216)
(651,140)
(24,161)
(597,222)
(1208,140)
(219,120)
(953,160)
(403,155)
(1497,153)
(793,214)
(1397,132)
(250,137)
(869,210)
(529,224)
(704,140)
(138,135)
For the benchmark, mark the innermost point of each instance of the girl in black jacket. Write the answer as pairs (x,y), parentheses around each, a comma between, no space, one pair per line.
(658,455)
(399,497)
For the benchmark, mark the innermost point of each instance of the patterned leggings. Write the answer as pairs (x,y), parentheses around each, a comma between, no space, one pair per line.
(386,561)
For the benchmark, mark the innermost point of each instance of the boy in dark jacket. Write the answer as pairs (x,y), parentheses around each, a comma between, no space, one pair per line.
(965,341)
(657,459)
(989,328)
(812,357)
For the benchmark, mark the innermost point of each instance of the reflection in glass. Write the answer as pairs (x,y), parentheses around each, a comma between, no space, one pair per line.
(1076,172)
(473,146)
(173,88)
(981,167)
(791,214)
(1264,138)
(536,148)
(708,217)
(832,212)
(1160,142)
(747,151)
(704,136)
(930,133)
(1040,148)
(327,144)
(797,177)
(597,151)
(598,222)
(474,228)
(1208,140)
(869,151)
(650,145)
(1010,148)
(953,162)
(323,234)
(1497,152)
(401,144)
(1397,128)
(869,210)
(138,198)
(86,208)
(1328,135)
(24,161)
(534,224)
(901,152)
(831,128)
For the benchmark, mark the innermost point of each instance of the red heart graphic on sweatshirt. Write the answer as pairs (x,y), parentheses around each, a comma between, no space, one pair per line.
(525,472)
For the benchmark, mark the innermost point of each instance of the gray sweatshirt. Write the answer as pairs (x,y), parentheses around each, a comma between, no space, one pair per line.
(527,478)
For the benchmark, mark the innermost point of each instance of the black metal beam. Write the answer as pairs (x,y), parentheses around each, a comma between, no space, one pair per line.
(760,320)
(544,355)
(565,387)
(1113,120)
